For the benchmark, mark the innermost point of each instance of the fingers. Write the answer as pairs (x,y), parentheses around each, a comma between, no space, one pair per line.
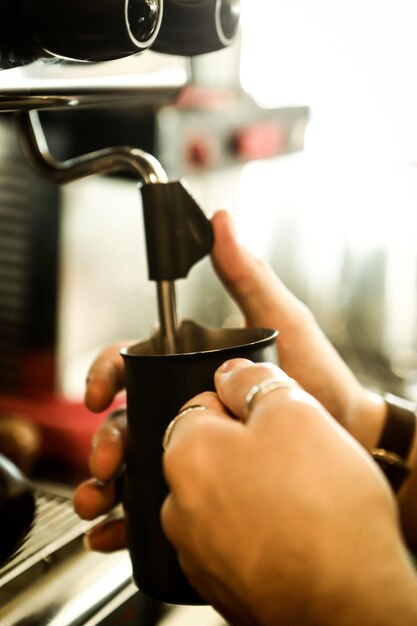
(94,498)
(105,378)
(100,494)
(236,383)
(210,401)
(197,448)
(233,380)
(192,440)
(204,405)
(108,536)
(261,296)
(108,447)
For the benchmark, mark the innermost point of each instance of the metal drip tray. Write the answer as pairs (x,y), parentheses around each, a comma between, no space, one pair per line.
(52,579)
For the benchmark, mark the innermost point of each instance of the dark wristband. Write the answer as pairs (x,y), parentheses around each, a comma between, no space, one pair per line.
(397,437)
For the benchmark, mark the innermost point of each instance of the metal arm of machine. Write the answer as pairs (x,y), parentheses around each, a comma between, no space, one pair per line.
(36,151)
(145,166)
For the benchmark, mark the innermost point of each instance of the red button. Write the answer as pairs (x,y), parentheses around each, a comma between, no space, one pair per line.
(259,141)
(202,152)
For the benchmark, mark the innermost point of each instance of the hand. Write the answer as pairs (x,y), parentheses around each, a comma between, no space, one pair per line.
(304,352)
(286,519)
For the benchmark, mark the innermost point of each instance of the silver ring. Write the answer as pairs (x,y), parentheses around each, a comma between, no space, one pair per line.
(260,390)
(174,422)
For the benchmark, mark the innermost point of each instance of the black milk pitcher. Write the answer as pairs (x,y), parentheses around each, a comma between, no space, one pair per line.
(157,385)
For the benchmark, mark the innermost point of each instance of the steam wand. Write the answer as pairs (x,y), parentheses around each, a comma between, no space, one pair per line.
(108,160)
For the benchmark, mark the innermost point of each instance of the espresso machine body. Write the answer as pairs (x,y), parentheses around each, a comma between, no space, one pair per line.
(61,241)
(132,58)
(63,56)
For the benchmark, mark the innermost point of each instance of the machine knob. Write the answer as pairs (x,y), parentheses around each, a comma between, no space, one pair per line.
(191,27)
(202,151)
(91,30)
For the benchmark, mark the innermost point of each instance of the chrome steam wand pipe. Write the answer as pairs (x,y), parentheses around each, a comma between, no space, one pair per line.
(106,161)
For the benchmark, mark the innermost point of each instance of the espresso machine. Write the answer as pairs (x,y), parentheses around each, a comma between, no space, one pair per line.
(57,59)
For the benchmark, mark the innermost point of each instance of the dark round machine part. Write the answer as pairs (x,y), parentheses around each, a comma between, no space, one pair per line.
(91,30)
(192,27)
(143,19)
(17,508)
(15,47)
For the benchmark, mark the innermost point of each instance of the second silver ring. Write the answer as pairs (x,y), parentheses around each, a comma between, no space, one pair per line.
(265,387)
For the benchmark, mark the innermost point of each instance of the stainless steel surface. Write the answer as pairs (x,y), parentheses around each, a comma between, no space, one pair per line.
(147,78)
(168,318)
(193,616)
(144,165)
(108,611)
(53,580)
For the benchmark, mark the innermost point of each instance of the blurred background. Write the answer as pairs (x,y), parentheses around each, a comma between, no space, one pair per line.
(347,204)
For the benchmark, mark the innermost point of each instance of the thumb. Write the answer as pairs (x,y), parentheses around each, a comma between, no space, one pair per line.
(261,296)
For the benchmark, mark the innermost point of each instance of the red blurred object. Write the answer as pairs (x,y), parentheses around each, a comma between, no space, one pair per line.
(260,140)
(66,427)
(202,152)
(198,97)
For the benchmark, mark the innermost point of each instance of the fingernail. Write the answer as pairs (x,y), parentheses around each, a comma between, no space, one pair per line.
(230,365)
(226,367)
(106,433)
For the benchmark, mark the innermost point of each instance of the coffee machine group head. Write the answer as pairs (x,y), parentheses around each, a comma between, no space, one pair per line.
(98,31)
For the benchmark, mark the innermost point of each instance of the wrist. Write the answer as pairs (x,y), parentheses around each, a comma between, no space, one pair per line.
(386,422)
(407,501)
(393,449)
(366,419)
(376,425)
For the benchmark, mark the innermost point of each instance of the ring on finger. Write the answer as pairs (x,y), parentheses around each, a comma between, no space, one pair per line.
(188,409)
(265,387)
